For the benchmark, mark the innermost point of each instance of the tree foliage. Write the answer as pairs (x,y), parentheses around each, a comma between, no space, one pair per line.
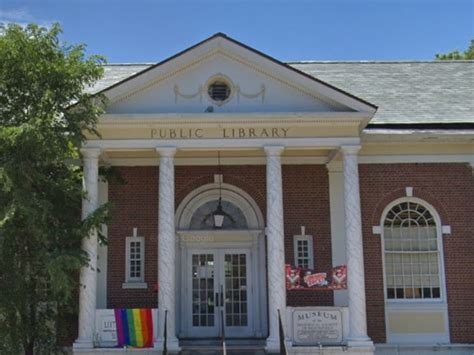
(457,55)
(40,190)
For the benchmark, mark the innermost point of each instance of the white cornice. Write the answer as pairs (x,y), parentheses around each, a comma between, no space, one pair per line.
(346,118)
(333,166)
(418,136)
(416,158)
(224,144)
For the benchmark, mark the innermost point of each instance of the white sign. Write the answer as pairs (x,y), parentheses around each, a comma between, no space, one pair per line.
(106,328)
(317,326)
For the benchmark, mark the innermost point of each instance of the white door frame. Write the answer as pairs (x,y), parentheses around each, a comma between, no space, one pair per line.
(251,240)
(219,280)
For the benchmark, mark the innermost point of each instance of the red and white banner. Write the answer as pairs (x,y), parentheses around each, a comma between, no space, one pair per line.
(305,279)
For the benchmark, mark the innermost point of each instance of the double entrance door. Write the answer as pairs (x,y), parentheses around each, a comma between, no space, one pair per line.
(219,293)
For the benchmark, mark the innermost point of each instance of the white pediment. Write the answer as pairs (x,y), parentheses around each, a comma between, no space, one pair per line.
(257,83)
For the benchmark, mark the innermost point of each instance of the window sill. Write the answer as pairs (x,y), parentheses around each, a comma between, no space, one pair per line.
(134,285)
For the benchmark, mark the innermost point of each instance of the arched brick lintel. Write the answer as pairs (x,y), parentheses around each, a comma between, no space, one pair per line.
(401,193)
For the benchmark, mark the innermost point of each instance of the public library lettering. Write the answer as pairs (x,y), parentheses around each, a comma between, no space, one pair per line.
(199,133)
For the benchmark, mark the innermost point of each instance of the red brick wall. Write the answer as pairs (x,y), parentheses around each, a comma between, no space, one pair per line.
(306,203)
(450,189)
(135,204)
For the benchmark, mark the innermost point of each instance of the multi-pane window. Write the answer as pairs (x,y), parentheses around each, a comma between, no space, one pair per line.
(411,248)
(135,259)
(303,246)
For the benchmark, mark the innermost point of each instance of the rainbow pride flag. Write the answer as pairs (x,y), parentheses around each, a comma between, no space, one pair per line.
(134,327)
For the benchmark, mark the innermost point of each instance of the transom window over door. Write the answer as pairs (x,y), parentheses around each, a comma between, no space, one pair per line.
(412,252)
(202,218)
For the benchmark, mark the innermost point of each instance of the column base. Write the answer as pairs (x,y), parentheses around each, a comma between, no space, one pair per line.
(82,344)
(172,345)
(360,343)
(272,345)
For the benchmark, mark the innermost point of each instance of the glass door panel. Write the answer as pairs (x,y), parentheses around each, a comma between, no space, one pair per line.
(235,289)
(203,313)
(236,293)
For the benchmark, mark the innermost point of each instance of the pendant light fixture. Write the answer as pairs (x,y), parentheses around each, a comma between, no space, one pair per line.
(218,215)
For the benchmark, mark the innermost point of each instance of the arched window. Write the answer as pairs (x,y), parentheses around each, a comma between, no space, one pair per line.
(411,243)
(202,218)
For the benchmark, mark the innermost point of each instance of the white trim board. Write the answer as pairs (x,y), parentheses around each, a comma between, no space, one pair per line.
(212,144)
(294,160)
(398,159)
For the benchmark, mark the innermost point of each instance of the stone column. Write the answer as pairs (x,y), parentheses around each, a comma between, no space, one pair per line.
(166,250)
(354,249)
(275,246)
(88,277)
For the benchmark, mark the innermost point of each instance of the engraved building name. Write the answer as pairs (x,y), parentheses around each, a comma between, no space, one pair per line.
(313,327)
(238,132)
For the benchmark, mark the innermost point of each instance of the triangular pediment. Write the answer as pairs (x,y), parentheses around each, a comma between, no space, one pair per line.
(254,82)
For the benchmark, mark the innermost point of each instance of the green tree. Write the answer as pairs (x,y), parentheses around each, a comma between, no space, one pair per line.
(456,55)
(40,189)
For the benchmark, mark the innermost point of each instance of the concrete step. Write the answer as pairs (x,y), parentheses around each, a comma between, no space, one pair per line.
(198,351)
(214,346)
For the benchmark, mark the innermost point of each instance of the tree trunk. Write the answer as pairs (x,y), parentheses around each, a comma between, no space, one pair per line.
(29,348)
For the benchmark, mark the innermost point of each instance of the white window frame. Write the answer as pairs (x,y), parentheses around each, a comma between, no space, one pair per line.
(309,239)
(439,235)
(134,282)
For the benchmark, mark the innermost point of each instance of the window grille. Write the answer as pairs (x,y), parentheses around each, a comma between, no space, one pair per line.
(303,246)
(135,259)
(202,218)
(219,91)
(411,253)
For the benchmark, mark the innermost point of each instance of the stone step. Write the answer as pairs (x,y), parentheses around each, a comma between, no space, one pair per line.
(208,351)
(214,347)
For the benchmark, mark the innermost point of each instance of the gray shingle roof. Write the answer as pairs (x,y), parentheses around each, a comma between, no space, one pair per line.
(405,92)
(113,73)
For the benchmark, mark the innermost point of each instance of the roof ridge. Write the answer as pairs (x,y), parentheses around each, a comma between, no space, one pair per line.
(434,61)
(128,64)
(331,62)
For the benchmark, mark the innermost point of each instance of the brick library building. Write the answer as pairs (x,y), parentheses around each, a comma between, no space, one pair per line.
(300,208)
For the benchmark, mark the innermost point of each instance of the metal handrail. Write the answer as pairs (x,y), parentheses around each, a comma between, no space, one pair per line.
(165,334)
(283,350)
(224,347)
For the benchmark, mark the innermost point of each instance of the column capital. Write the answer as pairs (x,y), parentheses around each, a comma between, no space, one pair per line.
(273,150)
(166,151)
(334,166)
(350,149)
(90,153)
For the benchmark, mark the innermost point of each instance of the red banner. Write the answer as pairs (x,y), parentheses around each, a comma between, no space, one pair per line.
(304,279)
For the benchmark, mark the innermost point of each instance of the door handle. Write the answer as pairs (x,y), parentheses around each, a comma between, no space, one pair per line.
(217,299)
(222,296)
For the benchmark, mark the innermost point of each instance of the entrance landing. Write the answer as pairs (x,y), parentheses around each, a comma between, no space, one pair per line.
(214,346)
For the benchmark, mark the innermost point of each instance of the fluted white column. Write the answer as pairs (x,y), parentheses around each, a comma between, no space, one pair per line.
(354,249)
(275,246)
(166,250)
(88,277)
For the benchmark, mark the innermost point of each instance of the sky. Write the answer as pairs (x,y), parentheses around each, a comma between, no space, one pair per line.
(148,31)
